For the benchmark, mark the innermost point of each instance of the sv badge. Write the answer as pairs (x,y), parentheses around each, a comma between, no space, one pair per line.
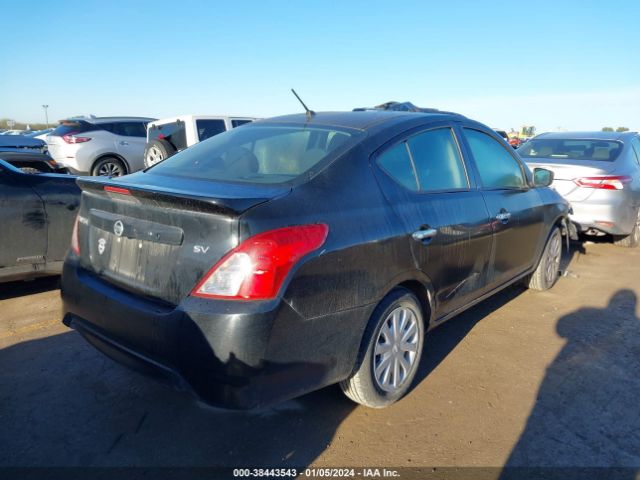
(200,249)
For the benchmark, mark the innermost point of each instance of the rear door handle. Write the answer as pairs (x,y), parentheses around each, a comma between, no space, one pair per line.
(424,234)
(124,143)
(503,216)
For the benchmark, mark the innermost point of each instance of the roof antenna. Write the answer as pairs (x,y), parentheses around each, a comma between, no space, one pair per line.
(310,113)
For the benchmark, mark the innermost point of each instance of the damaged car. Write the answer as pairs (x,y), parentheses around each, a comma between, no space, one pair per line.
(37,214)
(306,250)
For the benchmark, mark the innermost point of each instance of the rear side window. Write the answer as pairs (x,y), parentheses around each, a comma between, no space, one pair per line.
(255,154)
(572,149)
(237,123)
(497,168)
(437,161)
(130,129)
(174,132)
(396,162)
(209,128)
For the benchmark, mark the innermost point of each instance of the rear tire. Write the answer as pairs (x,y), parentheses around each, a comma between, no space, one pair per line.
(547,272)
(108,167)
(156,151)
(390,352)
(633,239)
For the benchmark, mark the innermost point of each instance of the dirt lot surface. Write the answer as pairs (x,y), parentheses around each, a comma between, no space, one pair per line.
(525,378)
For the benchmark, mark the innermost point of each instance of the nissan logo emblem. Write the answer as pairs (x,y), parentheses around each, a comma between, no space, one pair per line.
(118,228)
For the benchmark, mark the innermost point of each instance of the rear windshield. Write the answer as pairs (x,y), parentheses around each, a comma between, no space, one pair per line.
(174,132)
(70,127)
(256,154)
(578,149)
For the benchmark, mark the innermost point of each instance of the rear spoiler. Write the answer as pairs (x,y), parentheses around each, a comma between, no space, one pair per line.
(170,198)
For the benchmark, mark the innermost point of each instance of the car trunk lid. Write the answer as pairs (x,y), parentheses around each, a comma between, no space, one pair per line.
(565,171)
(157,237)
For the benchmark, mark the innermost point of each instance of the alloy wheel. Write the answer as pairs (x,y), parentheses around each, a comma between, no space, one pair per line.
(396,348)
(552,265)
(109,169)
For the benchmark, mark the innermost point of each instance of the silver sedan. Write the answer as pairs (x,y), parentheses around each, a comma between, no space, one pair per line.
(599,174)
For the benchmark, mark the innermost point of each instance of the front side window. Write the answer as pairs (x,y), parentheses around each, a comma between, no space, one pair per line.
(496,166)
(396,162)
(437,161)
(254,154)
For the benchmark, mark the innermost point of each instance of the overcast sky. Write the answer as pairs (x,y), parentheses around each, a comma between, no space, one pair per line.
(569,64)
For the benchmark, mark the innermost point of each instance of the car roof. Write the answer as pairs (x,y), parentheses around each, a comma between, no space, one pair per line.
(201,117)
(99,120)
(586,135)
(361,119)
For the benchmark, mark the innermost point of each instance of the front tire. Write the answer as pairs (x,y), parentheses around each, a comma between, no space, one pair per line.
(633,239)
(391,351)
(108,167)
(546,274)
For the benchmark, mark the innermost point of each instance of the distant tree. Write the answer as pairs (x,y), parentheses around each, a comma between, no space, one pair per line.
(6,123)
(607,129)
(622,129)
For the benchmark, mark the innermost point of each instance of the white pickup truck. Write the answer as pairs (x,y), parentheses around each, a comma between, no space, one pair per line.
(170,135)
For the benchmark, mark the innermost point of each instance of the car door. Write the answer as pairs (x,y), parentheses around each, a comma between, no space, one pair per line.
(515,209)
(131,138)
(425,179)
(23,232)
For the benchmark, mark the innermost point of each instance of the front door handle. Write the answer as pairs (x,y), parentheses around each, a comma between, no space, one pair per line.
(503,216)
(424,234)
(124,143)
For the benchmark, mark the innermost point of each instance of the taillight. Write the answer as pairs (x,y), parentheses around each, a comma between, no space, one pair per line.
(609,182)
(257,268)
(71,138)
(75,244)
(121,191)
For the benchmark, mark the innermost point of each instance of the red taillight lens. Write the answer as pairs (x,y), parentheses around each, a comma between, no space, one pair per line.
(75,244)
(610,182)
(121,191)
(257,268)
(71,138)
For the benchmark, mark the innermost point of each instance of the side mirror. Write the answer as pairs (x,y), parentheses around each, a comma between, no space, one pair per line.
(542,177)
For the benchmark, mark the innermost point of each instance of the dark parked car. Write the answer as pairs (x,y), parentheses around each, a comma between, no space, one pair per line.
(306,250)
(28,154)
(37,214)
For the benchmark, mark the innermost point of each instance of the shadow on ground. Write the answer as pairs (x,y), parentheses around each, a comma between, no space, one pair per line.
(587,411)
(62,403)
(28,287)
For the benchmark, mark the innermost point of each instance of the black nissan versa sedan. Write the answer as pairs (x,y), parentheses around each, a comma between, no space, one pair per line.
(303,251)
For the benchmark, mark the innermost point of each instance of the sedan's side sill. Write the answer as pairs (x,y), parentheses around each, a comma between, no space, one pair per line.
(459,310)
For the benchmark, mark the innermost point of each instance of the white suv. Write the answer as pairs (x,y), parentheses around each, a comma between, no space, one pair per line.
(170,135)
(109,146)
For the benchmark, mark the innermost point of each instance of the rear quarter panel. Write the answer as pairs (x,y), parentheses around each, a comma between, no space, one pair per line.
(366,247)
(61,197)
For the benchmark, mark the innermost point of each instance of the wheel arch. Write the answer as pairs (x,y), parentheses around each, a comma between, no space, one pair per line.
(113,155)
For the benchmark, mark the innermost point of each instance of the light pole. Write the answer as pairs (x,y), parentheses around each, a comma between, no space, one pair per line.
(46,114)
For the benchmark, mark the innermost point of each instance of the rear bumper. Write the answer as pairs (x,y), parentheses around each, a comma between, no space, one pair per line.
(258,354)
(615,216)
